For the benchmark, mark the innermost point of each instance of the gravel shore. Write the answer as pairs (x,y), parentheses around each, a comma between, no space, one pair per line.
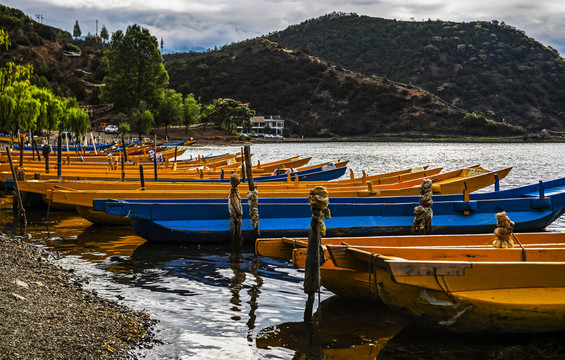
(45,314)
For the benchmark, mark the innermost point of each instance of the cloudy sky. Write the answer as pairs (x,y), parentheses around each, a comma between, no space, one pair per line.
(186,24)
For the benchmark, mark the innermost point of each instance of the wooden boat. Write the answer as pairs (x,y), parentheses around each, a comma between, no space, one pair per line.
(320,173)
(179,143)
(469,288)
(210,222)
(353,187)
(268,190)
(196,169)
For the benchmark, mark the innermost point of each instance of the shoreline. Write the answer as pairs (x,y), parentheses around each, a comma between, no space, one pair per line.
(46,314)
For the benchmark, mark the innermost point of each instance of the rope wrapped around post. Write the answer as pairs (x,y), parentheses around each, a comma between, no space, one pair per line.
(503,231)
(236,212)
(253,200)
(315,254)
(423,213)
(253,193)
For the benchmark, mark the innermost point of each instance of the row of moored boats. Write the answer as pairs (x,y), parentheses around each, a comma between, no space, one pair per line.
(454,278)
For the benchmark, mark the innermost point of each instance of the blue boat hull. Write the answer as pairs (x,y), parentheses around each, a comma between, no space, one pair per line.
(547,188)
(209,222)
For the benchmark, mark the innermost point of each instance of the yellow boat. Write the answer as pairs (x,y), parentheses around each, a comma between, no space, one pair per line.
(469,288)
(358,282)
(68,197)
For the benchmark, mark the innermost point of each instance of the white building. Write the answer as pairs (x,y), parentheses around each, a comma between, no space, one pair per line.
(258,123)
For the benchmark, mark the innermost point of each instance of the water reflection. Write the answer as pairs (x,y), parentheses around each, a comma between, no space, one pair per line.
(336,331)
(415,342)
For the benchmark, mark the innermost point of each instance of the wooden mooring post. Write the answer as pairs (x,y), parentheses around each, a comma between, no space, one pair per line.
(21,215)
(252,194)
(236,212)
(319,202)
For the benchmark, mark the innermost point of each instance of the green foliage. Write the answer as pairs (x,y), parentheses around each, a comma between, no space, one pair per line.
(192,110)
(124,128)
(104,34)
(143,120)
(229,113)
(136,72)
(76,30)
(489,66)
(170,109)
(72,47)
(74,118)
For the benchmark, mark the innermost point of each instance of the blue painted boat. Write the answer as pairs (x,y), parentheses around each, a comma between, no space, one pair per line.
(193,221)
(540,189)
(88,148)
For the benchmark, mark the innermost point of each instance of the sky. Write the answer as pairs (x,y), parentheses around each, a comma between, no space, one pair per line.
(205,24)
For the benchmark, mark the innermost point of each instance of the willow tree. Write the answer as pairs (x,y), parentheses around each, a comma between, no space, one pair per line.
(74,118)
(50,111)
(22,110)
(135,70)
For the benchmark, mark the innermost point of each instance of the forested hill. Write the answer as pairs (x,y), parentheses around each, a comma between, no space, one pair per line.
(487,67)
(61,64)
(317,98)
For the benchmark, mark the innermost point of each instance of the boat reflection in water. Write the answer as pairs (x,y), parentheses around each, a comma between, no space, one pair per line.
(72,235)
(336,332)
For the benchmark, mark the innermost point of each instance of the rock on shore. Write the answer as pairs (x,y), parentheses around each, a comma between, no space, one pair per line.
(44,313)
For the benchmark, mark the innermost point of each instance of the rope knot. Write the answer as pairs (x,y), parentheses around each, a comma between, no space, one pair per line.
(503,231)
(319,201)
(423,213)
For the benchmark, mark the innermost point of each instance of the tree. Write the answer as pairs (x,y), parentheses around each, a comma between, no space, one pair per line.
(74,118)
(142,121)
(192,110)
(231,113)
(104,34)
(170,110)
(76,30)
(27,107)
(135,70)
(50,111)
(4,39)
(206,115)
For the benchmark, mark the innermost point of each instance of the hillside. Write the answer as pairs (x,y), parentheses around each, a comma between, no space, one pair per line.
(319,99)
(340,74)
(487,67)
(67,67)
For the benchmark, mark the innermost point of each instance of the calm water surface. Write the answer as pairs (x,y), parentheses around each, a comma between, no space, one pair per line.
(212,304)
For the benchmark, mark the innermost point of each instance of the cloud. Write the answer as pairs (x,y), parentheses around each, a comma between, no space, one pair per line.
(207,23)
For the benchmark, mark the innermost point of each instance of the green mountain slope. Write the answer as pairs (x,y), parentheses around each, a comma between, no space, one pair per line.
(487,67)
(318,98)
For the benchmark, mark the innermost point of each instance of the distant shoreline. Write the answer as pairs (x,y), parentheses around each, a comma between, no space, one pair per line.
(403,139)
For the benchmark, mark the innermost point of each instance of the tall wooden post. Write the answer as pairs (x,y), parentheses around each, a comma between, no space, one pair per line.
(21,210)
(141,177)
(59,156)
(319,202)
(155,164)
(236,212)
(123,170)
(21,151)
(252,194)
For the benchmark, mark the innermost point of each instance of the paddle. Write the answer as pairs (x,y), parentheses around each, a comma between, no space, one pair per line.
(519,243)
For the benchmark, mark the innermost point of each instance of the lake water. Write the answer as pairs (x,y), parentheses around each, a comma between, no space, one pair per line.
(214,305)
